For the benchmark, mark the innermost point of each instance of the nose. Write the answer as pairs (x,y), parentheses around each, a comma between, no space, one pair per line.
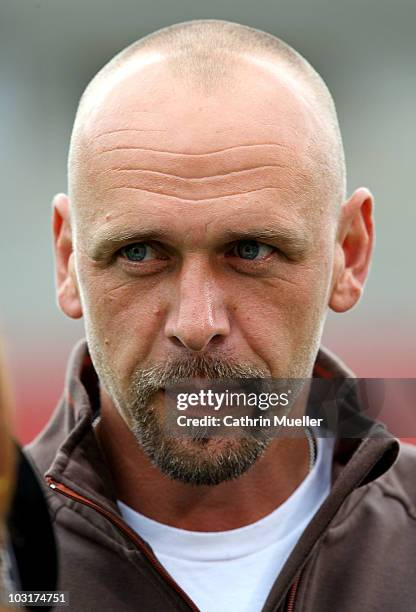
(198,316)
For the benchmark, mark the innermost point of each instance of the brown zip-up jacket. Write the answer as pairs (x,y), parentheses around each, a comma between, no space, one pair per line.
(358,554)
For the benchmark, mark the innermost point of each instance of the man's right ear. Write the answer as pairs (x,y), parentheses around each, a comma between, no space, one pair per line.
(67,291)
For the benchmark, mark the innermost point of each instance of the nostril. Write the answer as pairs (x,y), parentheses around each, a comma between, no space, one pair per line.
(217,339)
(195,343)
(176,341)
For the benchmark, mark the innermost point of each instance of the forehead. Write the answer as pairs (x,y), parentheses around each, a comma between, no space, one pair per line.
(150,143)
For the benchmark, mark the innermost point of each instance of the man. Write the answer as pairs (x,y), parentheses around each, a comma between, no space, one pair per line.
(205,235)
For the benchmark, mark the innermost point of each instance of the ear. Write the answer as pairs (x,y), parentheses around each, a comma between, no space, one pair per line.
(67,291)
(353,250)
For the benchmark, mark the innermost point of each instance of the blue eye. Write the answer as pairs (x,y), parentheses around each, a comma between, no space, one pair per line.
(248,249)
(135,252)
(251,249)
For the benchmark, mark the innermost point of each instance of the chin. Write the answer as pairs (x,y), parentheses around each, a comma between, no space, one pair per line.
(204,461)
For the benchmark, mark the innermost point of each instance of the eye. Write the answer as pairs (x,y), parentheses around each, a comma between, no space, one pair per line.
(251,249)
(138,251)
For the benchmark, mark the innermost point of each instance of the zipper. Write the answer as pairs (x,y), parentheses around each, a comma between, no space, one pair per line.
(127,531)
(292,595)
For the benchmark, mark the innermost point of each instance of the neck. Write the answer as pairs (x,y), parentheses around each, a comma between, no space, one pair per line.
(228,505)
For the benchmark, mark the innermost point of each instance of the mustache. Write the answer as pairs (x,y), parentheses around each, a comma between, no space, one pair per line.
(147,381)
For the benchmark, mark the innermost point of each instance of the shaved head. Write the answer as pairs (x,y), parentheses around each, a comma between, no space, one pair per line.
(211,56)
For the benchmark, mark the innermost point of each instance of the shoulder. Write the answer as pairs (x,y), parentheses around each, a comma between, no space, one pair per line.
(388,501)
(399,483)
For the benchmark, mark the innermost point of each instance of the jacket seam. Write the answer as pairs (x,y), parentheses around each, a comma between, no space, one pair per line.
(58,506)
(337,521)
(410,509)
(70,505)
(80,437)
(312,563)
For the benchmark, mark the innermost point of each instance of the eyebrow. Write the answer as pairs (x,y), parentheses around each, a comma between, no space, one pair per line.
(292,240)
(106,241)
(295,241)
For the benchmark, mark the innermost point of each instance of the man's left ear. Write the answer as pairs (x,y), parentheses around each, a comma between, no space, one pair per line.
(353,251)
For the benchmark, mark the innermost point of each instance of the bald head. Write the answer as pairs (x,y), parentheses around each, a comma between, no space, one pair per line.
(209,57)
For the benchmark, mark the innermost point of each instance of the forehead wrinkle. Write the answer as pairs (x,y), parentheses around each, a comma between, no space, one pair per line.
(197,178)
(183,178)
(267,152)
(185,165)
(197,199)
(193,154)
(206,188)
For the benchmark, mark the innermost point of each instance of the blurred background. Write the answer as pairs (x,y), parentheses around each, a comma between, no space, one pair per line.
(50,49)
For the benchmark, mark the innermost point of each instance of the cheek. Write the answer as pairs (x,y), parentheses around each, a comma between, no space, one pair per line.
(122,319)
(281,320)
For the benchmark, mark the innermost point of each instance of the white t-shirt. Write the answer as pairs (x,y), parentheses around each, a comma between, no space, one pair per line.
(234,570)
